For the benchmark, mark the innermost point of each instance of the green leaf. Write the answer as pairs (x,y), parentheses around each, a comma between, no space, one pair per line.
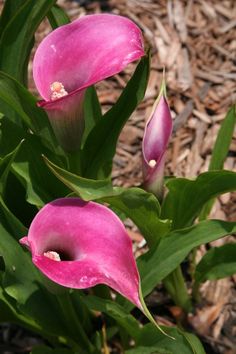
(11,135)
(9,10)
(156,264)
(194,342)
(17,100)
(135,203)
(22,281)
(87,189)
(100,145)
(224,138)
(9,312)
(57,17)
(29,167)
(92,111)
(217,263)
(18,37)
(143,209)
(114,310)
(220,151)
(43,349)
(186,198)
(5,165)
(153,342)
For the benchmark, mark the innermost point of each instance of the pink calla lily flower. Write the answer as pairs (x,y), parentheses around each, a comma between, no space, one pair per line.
(76,56)
(156,137)
(81,244)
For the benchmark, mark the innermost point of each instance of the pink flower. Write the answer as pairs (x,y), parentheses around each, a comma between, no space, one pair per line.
(76,56)
(155,140)
(81,244)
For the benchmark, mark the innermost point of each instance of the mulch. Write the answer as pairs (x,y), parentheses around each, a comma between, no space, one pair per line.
(195,41)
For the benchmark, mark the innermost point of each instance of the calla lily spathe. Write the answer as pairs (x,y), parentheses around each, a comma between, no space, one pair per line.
(76,56)
(156,137)
(81,244)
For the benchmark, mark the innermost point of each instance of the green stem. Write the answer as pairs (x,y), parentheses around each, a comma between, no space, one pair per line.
(176,287)
(73,324)
(192,260)
(196,294)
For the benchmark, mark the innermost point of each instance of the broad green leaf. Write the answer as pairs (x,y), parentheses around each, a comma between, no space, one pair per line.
(143,209)
(114,310)
(16,99)
(14,198)
(100,145)
(15,227)
(18,37)
(11,135)
(57,17)
(153,342)
(135,203)
(217,263)
(22,281)
(186,198)
(220,151)
(9,312)
(92,111)
(156,264)
(194,342)
(29,167)
(40,184)
(87,189)
(9,10)
(5,165)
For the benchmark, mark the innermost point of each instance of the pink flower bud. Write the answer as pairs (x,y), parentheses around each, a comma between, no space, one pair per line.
(156,137)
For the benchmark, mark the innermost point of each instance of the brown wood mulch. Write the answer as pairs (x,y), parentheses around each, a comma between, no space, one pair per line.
(196,43)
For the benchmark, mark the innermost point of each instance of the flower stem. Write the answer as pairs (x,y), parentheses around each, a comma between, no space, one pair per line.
(73,324)
(176,287)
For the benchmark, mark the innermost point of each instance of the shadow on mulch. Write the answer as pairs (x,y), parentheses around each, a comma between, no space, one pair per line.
(15,339)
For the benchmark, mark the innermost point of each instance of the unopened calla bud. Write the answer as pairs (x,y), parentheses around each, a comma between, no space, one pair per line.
(155,140)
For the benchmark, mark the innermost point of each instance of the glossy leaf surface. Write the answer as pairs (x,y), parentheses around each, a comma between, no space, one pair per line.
(174,247)
(186,198)
(151,341)
(18,37)
(217,263)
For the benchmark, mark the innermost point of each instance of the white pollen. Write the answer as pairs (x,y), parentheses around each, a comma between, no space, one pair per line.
(52,255)
(152,163)
(58,90)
